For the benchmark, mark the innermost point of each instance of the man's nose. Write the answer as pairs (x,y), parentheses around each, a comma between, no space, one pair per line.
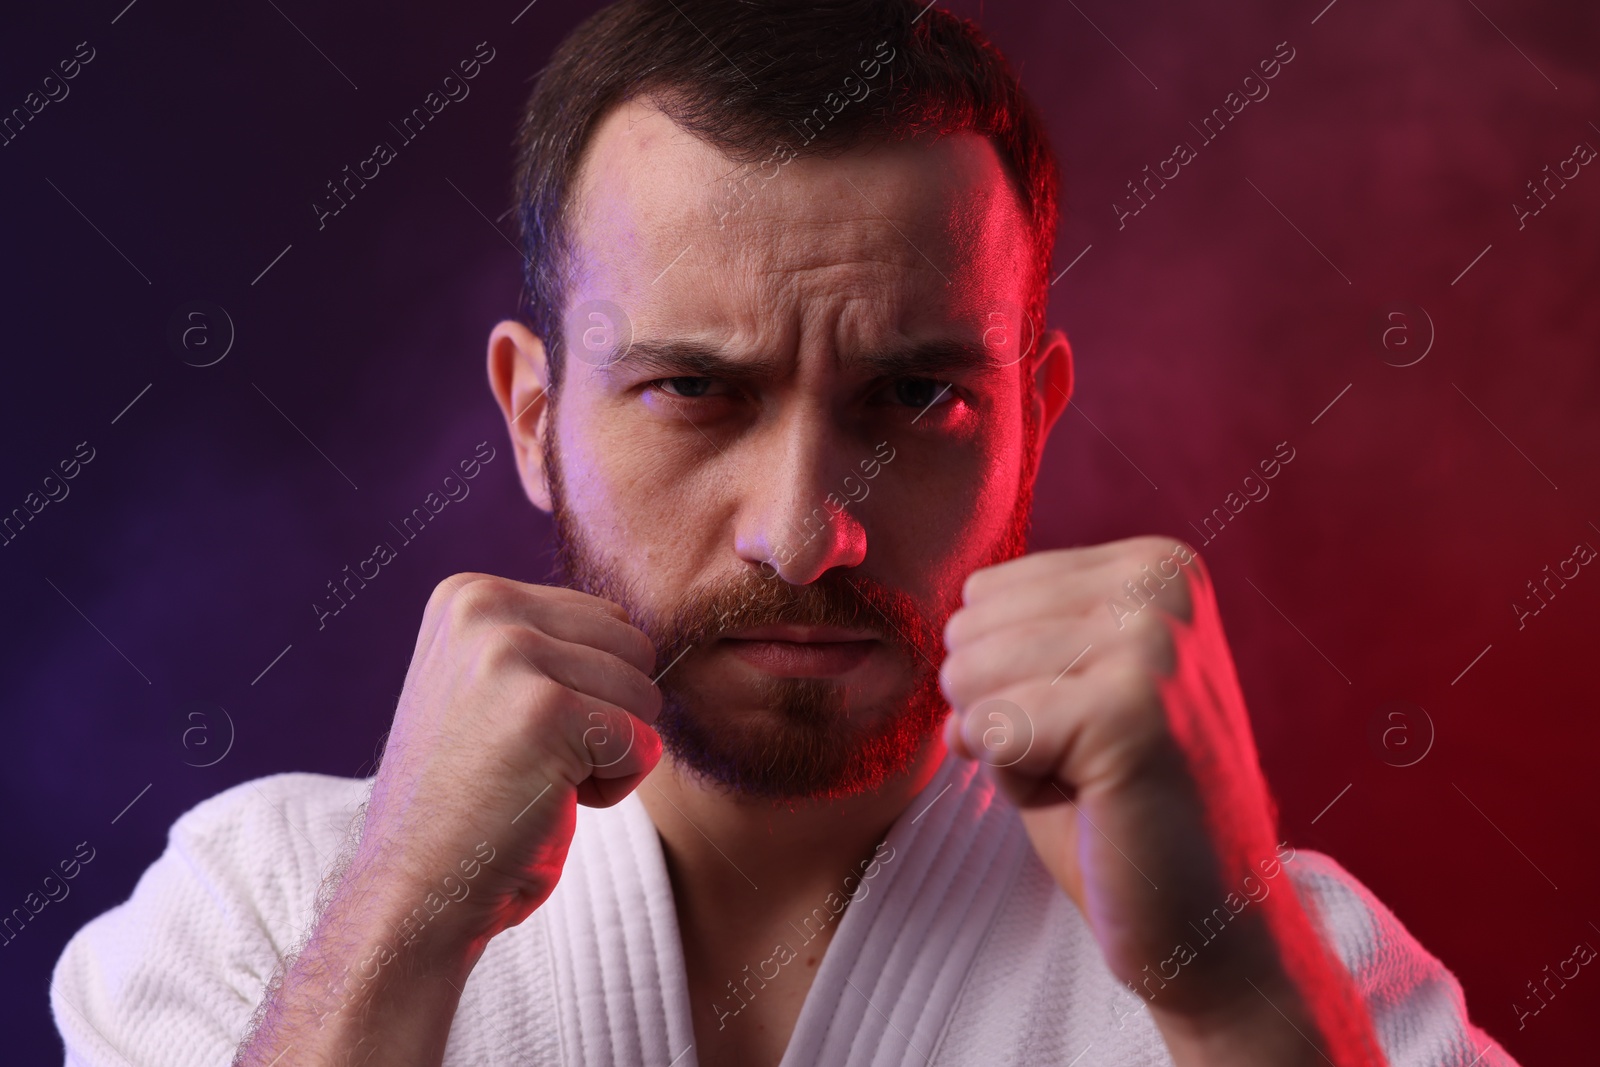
(801,502)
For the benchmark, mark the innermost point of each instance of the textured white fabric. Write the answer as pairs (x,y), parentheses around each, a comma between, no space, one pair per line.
(962,952)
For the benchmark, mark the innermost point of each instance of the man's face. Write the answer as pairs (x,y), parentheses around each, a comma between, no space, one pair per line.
(800,478)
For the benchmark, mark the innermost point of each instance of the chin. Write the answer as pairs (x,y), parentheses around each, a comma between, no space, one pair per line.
(801,741)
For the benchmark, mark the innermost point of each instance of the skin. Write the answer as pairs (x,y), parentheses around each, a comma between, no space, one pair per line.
(1134,769)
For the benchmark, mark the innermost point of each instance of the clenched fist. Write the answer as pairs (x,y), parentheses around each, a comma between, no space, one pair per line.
(521,702)
(1097,685)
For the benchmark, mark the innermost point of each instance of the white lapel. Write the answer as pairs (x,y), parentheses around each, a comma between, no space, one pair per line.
(888,983)
(621,986)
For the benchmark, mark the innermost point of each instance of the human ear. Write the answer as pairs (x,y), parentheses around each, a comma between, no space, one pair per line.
(1052,371)
(519,378)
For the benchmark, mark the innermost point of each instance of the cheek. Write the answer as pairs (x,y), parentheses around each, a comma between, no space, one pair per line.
(994,454)
(942,511)
(997,482)
(605,487)
(647,509)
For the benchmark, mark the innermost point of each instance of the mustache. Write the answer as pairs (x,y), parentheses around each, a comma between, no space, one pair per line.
(834,599)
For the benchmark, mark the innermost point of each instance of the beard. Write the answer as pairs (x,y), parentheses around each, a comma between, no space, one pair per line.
(801,742)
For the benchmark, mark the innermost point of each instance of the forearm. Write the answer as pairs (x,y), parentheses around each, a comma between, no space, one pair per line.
(364,989)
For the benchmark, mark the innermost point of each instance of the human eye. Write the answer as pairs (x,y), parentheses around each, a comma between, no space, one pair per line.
(683,387)
(922,393)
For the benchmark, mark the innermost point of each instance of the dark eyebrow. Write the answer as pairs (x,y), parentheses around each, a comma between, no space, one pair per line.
(909,360)
(927,358)
(689,359)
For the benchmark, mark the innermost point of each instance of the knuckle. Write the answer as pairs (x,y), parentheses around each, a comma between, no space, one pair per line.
(958,627)
(1148,640)
(1149,548)
(549,712)
(1126,676)
(608,733)
(513,650)
(1141,624)
(1180,601)
(642,683)
(1136,700)
(440,597)
(447,589)
(475,597)
(651,699)
(962,677)
(1177,546)
(952,679)
(644,647)
(1160,650)
(978,581)
(602,606)
(623,677)
(1186,554)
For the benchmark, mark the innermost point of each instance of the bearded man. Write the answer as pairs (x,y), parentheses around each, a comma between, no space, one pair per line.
(800,759)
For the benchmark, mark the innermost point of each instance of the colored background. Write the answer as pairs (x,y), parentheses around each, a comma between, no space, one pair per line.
(1225,317)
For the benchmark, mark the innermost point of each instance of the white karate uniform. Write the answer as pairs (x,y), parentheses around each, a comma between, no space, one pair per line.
(961,951)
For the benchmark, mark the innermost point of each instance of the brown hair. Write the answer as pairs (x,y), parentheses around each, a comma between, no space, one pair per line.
(749,75)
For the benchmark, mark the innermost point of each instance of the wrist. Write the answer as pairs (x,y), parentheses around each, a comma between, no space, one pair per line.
(381,915)
(357,992)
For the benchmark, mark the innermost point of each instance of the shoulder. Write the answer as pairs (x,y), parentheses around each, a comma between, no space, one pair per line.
(173,973)
(268,840)
(274,836)
(314,810)
(1416,1003)
(1375,946)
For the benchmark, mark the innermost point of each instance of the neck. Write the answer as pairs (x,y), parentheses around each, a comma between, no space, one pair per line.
(745,859)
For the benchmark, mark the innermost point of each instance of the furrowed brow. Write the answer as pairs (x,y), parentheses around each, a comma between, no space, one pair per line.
(694,359)
(927,358)
(689,359)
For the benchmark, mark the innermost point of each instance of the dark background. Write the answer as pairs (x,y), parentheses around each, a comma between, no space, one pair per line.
(1210,328)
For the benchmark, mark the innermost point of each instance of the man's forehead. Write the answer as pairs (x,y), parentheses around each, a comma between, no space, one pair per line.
(663,216)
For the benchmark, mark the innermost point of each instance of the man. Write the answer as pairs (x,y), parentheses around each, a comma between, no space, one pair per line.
(803,761)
